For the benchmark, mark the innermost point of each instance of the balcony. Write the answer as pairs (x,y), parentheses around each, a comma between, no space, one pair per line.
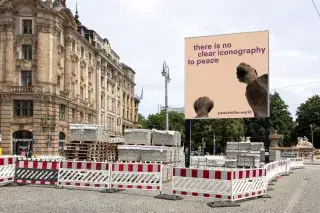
(25,89)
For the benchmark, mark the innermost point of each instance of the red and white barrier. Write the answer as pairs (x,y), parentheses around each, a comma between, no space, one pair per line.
(7,169)
(248,183)
(36,172)
(296,163)
(202,183)
(141,176)
(91,175)
(227,184)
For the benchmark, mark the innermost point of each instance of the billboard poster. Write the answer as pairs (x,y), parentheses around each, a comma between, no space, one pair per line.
(227,76)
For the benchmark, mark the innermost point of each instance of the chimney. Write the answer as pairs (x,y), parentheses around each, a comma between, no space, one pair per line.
(48,3)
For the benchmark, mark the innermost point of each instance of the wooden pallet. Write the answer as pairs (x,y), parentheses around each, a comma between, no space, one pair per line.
(91,151)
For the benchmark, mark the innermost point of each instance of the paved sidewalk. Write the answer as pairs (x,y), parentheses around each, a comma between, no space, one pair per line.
(297,193)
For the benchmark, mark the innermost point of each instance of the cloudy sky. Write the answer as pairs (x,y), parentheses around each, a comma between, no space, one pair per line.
(146,32)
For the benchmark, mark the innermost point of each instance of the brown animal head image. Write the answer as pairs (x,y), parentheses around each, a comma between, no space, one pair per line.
(245,73)
(202,106)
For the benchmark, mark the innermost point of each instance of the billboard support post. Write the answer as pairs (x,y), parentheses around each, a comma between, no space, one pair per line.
(187,142)
(266,138)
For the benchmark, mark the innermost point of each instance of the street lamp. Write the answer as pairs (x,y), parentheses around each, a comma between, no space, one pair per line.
(312,142)
(165,73)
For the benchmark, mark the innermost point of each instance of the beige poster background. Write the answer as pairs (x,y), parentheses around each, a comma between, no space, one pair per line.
(218,80)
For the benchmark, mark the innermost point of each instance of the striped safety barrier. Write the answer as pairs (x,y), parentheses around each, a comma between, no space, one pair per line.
(248,183)
(93,175)
(296,163)
(7,168)
(36,172)
(202,183)
(141,176)
(225,185)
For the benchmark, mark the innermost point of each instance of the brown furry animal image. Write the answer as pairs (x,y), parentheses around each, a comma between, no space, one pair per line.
(257,89)
(202,106)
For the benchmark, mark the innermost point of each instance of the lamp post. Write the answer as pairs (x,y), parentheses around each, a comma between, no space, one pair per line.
(312,142)
(166,75)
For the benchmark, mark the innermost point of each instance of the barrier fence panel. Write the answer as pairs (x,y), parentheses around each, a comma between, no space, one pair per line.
(142,176)
(296,163)
(248,183)
(271,170)
(36,172)
(94,175)
(7,169)
(202,183)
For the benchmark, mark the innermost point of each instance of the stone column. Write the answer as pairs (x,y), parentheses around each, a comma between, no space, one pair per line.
(2,42)
(67,63)
(9,27)
(43,52)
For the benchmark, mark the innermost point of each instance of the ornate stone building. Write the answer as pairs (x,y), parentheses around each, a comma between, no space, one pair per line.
(53,72)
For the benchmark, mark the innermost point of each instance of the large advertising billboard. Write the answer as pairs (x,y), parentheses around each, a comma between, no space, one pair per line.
(226,76)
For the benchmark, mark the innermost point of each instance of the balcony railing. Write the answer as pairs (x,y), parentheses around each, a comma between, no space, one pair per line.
(26,89)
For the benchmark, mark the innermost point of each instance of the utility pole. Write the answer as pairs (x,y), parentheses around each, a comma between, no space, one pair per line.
(312,155)
(166,75)
(214,143)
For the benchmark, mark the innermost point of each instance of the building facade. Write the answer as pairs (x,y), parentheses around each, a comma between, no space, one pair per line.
(54,72)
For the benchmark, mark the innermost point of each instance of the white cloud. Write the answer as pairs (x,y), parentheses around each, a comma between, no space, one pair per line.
(146,32)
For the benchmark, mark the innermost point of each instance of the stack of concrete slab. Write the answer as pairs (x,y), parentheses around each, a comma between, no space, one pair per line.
(257,146)
(274,155)
(149,153)
(87,132)
(138,136)
(166,138)
(249,160)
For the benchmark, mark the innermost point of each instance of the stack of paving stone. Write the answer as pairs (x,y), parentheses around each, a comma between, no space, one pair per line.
(149,153)
(138,136)
(243,154)
(166,138)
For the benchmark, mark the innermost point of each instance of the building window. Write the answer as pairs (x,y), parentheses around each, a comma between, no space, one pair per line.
(27,26)
(89,96)
(81,117)
(102,120)
(90,77)
(59,81)
(102,82)
(90,118)
(118,91)
(107,86)
(26,78)
(90,58)
(62,112)
(102,101)
(112,91)
(23,108)
(73,46)
(113,107)
(108,103)
(26,52)
(81,93)
(118,109)
(59,37)
(82,52)
(73,115)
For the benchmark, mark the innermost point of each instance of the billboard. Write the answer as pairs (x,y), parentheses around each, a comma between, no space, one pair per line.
(226,76)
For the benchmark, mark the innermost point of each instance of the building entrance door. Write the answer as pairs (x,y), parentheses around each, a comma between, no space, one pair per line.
(23,143)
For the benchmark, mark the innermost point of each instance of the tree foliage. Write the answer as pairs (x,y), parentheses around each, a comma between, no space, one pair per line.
(308,114)
(280,119)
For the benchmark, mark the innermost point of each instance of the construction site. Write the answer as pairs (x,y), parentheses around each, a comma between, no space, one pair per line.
(90,143)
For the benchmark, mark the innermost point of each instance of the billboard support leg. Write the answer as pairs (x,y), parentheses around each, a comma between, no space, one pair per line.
(187,143)
(266,138)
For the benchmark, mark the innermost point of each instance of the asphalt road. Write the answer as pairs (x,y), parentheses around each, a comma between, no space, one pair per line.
(297,193)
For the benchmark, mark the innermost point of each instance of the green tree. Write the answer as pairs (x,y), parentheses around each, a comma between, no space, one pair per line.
(176,122)
(280,119)
(142,121)
(309,113)
(224,130)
